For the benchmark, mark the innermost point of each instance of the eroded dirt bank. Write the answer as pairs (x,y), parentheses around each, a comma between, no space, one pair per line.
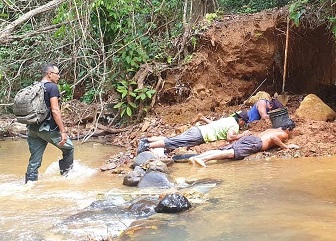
(234,57)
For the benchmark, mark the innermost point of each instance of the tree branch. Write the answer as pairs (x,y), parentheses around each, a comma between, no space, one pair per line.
(34,33)
(5,33)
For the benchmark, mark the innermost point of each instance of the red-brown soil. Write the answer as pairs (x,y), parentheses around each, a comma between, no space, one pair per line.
(232,58)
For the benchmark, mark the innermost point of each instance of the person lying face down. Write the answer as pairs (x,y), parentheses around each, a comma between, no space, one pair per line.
(223,129)
(249,145)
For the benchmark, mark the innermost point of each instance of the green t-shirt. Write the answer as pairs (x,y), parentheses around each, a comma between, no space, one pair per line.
(217,130)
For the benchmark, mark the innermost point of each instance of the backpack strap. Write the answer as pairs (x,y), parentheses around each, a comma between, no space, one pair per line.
(43,82)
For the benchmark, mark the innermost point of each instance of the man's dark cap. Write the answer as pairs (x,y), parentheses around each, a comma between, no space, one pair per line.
(243,115)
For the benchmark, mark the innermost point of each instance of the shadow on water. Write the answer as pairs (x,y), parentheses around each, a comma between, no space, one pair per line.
(276,199)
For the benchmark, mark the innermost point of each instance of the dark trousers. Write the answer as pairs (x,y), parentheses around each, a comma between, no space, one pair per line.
(37,142)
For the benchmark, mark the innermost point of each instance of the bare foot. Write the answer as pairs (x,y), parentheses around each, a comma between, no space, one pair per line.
(191,161)
(199,162)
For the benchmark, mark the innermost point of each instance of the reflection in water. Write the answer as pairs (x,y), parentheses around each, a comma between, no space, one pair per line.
(276,199)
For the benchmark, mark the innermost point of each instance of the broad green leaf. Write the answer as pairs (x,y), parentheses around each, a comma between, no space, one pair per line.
(129,111)
(117,106)
(133,105)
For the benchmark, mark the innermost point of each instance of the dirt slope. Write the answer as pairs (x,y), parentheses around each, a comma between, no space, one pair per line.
(234,56)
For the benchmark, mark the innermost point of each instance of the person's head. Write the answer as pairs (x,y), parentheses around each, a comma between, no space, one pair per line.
(51,73)
(275,104)
(287,124)
(241,118)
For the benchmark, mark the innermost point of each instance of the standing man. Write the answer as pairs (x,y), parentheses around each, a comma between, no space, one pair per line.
(51,131)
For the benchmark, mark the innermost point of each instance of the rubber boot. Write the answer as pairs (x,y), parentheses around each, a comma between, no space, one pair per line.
(65,166)
(31,177)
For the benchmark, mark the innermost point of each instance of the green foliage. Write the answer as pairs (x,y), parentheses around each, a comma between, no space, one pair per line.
(130,99)
(89,96)
(126,26)
(193,41)
(132,57)
(122,30)
(144,93)
(66,91)
(65,13)
(188,58)
(332,21)
(250,6)
(210,17)
(125,105)
(3,11)
(296,10)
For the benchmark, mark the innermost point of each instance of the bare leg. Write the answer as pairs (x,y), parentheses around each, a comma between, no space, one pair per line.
(157,144)
(145,144)
(212,155)
(155,138)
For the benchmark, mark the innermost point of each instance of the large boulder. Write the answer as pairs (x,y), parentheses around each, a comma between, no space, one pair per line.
(313,108)
(258,96)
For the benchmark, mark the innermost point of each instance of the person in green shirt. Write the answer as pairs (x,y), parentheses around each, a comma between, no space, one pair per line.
(223,129)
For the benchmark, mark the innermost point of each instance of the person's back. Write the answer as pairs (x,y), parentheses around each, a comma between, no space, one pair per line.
(277,136)
(268,135)
(259,110)
(217,130)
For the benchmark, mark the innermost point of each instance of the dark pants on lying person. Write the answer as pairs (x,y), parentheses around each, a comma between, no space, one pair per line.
(37,141)
(245,146)
(189,138)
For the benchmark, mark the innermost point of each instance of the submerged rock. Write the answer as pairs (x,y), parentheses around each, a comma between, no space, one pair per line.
(155,165)
(143,207)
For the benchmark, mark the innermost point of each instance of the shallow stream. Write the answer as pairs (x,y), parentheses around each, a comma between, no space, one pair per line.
(275,199)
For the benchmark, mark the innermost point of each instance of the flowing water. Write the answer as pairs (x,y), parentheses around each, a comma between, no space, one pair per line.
(275,199)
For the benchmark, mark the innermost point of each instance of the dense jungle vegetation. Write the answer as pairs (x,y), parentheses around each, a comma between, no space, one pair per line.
(101,45)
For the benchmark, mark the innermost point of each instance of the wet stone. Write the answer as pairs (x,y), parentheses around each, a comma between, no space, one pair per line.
(173,203)
(155,179)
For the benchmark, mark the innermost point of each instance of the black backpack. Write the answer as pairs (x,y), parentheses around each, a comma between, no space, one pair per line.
(29,105)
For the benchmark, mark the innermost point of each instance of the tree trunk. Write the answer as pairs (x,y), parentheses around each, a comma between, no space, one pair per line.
(202,7)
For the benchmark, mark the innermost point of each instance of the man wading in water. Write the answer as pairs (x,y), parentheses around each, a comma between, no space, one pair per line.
(51,131)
